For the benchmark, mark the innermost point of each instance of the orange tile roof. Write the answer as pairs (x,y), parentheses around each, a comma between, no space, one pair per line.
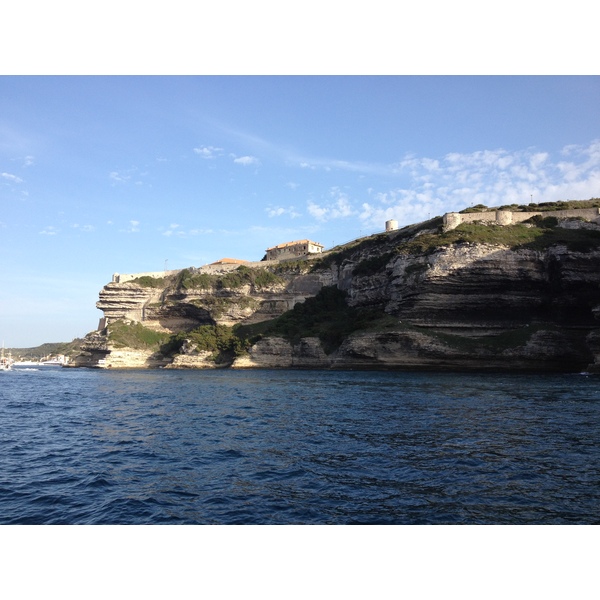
(229,261)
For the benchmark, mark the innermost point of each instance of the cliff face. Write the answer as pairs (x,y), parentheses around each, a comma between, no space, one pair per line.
(479,285)
(173,308)
(467,307)
(459,304)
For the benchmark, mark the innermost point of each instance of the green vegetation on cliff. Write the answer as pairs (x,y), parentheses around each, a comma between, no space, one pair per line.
(541,207)
(326,316)
(122,334)
(538,234)
(373,253)
(148,281)
(255,277)
(220,340)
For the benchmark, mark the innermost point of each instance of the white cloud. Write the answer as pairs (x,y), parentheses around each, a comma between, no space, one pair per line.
(279,211)
(316,211)
(208,152)
(200,231)
(119,177)
(246,160)
(134,227)
(86,228)
(339,208)
(132,174)
(50,230)
(28,161)
(172,229)
(11,177)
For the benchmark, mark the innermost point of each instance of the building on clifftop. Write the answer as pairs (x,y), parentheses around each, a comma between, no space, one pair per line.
(294,249)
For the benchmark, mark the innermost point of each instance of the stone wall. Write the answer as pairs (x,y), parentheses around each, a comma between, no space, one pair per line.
(121,278)
(507,217)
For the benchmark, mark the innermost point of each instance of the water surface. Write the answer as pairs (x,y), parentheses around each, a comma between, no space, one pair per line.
(82,446)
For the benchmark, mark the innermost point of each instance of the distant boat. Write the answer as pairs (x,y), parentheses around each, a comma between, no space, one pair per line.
(26,363)
(57,361)
(5,361)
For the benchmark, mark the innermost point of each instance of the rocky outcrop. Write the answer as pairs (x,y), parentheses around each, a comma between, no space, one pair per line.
(98,352)
(277,353)
(128,358)
(174,309)
(427,349)
(126,301)
(200,360)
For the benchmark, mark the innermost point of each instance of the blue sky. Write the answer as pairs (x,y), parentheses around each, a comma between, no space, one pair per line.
(128,174)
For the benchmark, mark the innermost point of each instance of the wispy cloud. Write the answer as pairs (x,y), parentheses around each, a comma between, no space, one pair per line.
(333,164)
(10,177)
(208,152)
(127,176)
(279,211)
(490,177)
(119,177)
(246,161)
(338,207)
(172,229)
(133,227)
(49,230)
(86,228)
(201,231)
(296,158)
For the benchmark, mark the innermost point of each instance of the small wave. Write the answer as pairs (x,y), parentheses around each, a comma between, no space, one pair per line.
(227,454)
(270,475)
(95,481)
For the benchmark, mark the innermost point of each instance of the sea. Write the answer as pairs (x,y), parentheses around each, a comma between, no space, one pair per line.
(295,447)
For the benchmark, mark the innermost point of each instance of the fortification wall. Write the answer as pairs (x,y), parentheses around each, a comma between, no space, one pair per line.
(507,217)
(213,269)
(122,278)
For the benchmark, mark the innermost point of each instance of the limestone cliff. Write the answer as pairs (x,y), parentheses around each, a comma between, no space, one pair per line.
(482,296)
(227,295)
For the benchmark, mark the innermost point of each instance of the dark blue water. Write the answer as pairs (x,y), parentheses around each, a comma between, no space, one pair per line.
(290,447)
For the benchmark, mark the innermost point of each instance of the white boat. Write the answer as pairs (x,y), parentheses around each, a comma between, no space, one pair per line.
(56,361)
(5,361)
